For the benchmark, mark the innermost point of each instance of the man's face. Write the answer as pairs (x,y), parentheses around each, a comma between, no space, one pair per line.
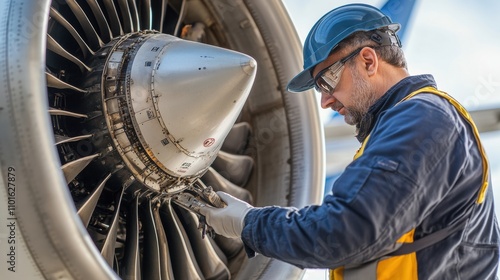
(361,99)
(353,95)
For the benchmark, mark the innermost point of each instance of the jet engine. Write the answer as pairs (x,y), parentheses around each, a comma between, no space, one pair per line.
(117,117)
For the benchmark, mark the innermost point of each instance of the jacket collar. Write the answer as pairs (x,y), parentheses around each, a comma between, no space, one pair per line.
(389,99)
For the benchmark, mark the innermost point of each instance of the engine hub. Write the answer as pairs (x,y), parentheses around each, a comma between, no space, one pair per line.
(169,104)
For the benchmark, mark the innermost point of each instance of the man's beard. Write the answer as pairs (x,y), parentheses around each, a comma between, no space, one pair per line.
(362,96)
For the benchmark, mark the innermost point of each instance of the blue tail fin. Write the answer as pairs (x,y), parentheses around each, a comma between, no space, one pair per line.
(400,11)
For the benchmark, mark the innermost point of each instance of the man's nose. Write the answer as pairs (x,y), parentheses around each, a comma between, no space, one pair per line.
(327,100)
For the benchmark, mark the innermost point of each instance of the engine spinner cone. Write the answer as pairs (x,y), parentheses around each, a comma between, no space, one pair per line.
(183,99)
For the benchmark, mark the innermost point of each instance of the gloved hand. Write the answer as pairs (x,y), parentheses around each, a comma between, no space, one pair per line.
(227,221)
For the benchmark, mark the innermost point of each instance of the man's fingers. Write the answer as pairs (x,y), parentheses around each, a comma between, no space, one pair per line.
(227,198)
(205,209)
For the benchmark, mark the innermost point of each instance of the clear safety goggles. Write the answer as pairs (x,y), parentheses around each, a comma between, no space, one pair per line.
(327,79)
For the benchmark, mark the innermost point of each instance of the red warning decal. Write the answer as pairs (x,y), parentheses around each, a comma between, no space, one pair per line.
(208,142)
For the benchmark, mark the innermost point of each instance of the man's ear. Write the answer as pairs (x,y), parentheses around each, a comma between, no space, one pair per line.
(370,60)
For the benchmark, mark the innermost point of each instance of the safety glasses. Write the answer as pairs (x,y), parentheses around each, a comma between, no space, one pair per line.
(327,79)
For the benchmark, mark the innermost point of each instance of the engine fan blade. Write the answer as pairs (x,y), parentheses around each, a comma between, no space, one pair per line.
(102,23)
(213,263)
(54,14)
(237,139)
(235,168)
(54,82)
(57,112)
(182,14)
(131,268)
(134,14)
(151,244)
(54,46)
(125,10)
(86,208)
(219,183)
(90,33)
(184,264)
(73,168)
(114,19)
(158,14)
(60,139)
(165,261)
(230,246)
(108,247)
(145,11)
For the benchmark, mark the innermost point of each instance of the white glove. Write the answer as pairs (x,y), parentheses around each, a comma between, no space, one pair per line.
(227,221)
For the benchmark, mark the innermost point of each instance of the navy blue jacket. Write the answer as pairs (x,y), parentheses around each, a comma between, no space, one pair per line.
(421,169)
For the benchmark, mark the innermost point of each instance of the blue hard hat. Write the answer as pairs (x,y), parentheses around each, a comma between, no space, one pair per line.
(330,30)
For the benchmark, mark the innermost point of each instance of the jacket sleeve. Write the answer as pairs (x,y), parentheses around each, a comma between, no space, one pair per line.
(408,166)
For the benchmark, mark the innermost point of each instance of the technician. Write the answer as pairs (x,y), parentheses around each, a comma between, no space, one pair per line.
(415,203)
